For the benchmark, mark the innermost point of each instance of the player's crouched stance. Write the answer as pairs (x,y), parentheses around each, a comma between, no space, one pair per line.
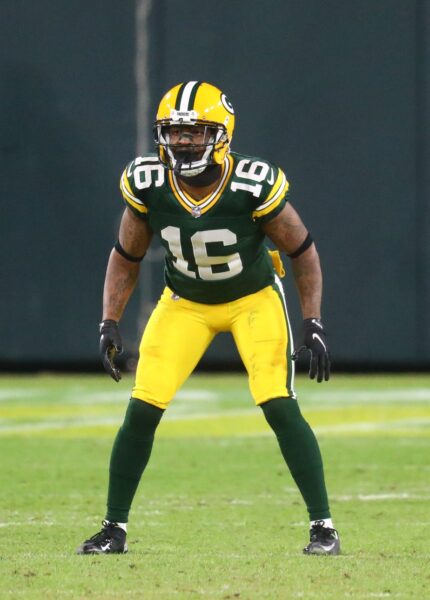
(212,210)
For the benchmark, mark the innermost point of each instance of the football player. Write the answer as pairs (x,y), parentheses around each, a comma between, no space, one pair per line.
(212,209)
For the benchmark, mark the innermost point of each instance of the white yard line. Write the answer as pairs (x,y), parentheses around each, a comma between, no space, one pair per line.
(56,425)
(84,422)
(19,393)
(381,497)
(80,397)
(415,422)
(364,396)
(25,523)
(325,398)
(120,397)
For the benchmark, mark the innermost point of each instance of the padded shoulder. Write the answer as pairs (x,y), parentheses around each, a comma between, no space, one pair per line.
(274,195)
(267,183)
(137,179)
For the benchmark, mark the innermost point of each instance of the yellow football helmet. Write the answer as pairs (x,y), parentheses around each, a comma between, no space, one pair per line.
(189,105)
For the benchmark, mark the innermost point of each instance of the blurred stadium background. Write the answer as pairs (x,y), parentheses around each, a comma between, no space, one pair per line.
(335,92)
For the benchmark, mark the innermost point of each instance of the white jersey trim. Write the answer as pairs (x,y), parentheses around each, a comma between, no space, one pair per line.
(125,191)
(275,197)
(191,204)
(280,287)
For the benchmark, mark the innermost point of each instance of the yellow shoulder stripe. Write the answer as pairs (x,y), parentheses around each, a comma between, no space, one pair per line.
(274,197)
(128,195)
(276,185)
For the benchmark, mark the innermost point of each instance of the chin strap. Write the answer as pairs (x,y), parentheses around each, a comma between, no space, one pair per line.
(186,157)
(177,167)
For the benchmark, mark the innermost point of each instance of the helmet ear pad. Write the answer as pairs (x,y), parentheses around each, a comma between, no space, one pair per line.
(162,155)
(220,151)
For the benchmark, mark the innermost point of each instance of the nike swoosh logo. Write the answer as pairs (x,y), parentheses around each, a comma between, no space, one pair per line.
(271,179)
(317,323)
(315,336)
(328,548)
(106,546)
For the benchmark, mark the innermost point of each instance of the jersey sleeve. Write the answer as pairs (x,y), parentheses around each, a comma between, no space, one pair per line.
(274,196)
(130,193)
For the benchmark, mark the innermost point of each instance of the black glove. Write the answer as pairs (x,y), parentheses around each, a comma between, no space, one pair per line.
(315,340)
(110,345)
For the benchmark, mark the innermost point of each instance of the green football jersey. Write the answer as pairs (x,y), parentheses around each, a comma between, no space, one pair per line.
(215,249)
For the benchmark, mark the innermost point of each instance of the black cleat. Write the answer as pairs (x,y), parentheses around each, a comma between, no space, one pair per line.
(323,540)
(109,540)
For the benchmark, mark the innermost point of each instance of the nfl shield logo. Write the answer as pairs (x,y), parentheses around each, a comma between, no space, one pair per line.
(196,212)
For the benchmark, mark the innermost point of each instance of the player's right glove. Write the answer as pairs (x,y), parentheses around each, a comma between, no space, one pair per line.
(110,345)
(315,340)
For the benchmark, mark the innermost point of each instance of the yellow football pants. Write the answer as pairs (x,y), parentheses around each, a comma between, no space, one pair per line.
(179,331)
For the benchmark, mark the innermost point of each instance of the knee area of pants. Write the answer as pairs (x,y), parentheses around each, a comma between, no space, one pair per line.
(142,417)
(282,413)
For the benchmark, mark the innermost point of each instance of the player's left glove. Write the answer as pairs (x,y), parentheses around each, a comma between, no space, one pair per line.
(315,340)
(110,345)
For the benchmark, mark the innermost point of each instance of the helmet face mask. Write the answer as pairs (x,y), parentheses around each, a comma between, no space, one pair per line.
(188,148)
(193,128)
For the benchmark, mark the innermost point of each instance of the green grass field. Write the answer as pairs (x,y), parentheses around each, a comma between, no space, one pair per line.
(217,514)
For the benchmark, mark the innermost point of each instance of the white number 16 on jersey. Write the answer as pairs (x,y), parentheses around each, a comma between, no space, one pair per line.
(232,262)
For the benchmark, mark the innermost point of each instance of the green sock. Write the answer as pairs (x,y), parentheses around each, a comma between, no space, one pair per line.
(130,455)
(301,452)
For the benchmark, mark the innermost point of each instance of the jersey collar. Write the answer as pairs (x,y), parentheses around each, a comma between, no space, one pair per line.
(208,201)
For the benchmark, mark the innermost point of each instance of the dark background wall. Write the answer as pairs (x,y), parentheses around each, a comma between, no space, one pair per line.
(67,125)
(334,91)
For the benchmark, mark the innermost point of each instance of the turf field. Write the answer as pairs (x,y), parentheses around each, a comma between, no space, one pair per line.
(217,514)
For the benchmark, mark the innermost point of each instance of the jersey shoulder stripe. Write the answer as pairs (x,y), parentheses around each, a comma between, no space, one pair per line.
(267,183)
(275,196)
(131,194)
(128,195)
